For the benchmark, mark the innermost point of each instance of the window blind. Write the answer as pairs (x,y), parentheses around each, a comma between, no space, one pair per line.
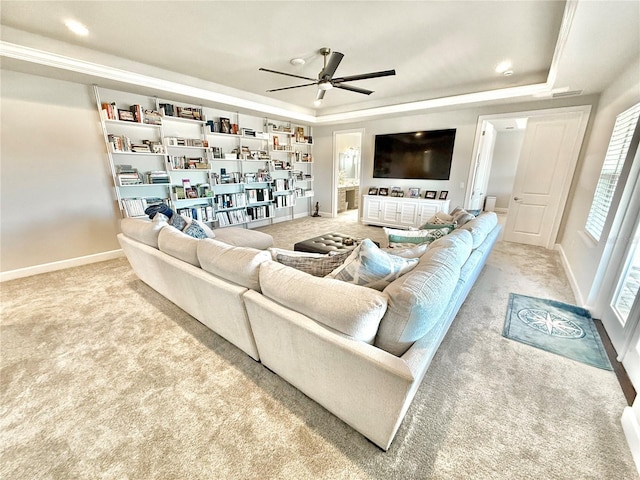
(610,174)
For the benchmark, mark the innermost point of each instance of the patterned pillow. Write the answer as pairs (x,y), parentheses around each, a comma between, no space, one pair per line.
(316,264)
(194,230)
(461,217)
(431,226)
(178,221)
(441,218)
(411,238)
(371,267)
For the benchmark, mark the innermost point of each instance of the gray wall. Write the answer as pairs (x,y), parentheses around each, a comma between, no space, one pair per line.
(57,201)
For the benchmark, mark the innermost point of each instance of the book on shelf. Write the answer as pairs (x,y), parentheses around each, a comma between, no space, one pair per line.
(152,117)
(136,110)
(158,177)
(109,111)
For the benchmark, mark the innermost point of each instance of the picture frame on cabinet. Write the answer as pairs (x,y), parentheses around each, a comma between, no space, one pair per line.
(126,115)
(443,195)
(430,194)
(397,192)
(384,191)
(373,191)
(414,192)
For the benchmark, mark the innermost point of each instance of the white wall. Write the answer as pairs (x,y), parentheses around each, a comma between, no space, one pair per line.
(581,253)
(464,120)
(506,153)
(56,200)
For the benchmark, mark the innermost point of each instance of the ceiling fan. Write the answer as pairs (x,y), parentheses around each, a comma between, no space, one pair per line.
(325,80)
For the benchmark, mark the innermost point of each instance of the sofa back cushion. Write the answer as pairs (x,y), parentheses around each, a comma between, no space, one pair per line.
(418,299)
(350,309)
(179,245)
(239,265)
(143,230)
(480,227)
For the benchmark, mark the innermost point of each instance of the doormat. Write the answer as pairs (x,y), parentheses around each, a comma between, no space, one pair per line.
(556,327)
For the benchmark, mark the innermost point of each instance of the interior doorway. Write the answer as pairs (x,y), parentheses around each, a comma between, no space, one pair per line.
(523,166)
(347,149)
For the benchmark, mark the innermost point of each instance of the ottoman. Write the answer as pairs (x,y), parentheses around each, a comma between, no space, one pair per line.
(328,242)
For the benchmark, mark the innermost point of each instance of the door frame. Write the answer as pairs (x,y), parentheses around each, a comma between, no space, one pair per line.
(585,110)
(336,167)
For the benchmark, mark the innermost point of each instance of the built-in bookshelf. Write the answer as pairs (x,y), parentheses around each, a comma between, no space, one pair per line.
(221,167)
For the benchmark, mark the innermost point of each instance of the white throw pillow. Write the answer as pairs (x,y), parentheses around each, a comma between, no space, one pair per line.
(371,267)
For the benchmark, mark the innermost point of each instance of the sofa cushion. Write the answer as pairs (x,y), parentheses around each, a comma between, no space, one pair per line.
(350,309)
(179,245)
(480,227)
(371,267)
(236,264)
(418,300)
(243,237)
(143,230)
(441,250)
(316,264)
(409,238)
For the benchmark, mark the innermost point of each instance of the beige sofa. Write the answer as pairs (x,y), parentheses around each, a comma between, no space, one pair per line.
(360,353)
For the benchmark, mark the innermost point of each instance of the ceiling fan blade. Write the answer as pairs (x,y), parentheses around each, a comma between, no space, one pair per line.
(289,88)
(287,74)
(332,65)
(364,76)
(353,89)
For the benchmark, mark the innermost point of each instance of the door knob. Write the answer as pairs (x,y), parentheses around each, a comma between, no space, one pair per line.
(517,199)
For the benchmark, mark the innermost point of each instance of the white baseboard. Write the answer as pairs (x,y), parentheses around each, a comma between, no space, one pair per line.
(60,265)
(570,276)
(632,432)
(501,210)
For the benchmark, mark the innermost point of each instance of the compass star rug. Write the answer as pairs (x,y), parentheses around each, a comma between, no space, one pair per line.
(556,327)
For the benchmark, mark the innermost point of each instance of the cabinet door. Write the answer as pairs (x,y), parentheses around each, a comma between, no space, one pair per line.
(426,211)
(390,211)
(372,210)
(407,214)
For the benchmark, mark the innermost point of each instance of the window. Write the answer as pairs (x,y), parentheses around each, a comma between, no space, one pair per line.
(619,145)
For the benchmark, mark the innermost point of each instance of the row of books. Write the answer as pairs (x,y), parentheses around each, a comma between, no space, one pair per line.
(134,113)
(187,163)
(185,142)
(232,217)
(190,113)
(283,184)
(257,195)
(260,212)
(157,177)
(135,207)
(204,213)
(230,200)
(283,201)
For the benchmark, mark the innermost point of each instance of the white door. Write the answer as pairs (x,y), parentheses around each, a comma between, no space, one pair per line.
(480,177)
(547,161)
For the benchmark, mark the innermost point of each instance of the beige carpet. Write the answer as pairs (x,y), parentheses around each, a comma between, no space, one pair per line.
(104,379)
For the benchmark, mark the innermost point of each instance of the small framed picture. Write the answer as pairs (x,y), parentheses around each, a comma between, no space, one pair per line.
(414,193)
(384,191)
(373,190)
(430,194)
(126,116)
(443,195)
(396,192)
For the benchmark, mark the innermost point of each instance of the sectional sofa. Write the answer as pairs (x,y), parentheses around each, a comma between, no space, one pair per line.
(359,352)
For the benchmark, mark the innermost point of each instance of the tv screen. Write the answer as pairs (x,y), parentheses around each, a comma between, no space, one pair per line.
(423,155)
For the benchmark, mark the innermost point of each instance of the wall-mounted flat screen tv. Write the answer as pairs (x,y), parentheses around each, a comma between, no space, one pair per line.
(425,155)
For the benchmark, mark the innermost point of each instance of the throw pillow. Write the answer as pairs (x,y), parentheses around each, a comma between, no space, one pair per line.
(441,218)
(411,238)
(178,221)
(371,267)
(163,208)
(408,252)
(194,230)
(316,264)
(437,226)
(461,216)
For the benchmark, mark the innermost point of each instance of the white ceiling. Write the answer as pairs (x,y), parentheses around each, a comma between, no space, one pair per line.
(437,48)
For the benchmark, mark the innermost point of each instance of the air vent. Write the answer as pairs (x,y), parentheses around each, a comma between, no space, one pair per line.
(570,93)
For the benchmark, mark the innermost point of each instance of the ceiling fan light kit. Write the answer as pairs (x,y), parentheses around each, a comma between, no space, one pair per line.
(326,81)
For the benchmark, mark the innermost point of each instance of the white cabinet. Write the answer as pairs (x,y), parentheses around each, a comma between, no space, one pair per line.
(400,212)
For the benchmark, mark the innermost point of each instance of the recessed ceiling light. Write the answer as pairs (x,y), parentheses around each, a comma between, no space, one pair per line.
(503,66)
(297,61)
(77,27)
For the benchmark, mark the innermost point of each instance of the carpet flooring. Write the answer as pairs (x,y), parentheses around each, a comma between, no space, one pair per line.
(102,378)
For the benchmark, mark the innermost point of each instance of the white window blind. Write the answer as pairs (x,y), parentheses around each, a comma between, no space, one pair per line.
(613,162)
